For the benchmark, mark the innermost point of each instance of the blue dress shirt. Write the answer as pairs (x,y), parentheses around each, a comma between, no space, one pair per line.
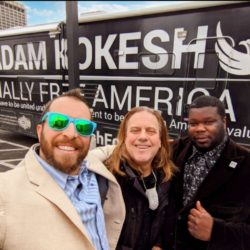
(84,194)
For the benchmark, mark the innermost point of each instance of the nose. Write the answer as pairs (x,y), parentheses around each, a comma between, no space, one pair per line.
(70,131)
(143,135)
(200,127)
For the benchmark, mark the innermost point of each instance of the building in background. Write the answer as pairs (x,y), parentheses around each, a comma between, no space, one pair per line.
(12,14)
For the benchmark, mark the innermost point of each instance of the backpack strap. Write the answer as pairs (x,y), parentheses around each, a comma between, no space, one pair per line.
(103,186)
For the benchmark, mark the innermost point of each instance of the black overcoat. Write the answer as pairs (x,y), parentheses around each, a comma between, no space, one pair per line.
(142,228)
(224,193)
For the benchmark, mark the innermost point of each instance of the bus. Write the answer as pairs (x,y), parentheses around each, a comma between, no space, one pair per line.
(161,57)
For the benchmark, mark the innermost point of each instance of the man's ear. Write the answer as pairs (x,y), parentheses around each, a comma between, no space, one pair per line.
(39,129)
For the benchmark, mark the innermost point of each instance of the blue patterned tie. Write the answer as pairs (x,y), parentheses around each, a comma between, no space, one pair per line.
(73,186)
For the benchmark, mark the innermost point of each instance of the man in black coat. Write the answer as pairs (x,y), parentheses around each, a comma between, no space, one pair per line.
(211,192)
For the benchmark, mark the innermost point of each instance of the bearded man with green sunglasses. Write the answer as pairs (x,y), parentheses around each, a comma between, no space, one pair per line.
(59,197)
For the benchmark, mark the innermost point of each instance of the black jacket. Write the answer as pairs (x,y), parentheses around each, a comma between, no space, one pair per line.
(224,193)
(142,228)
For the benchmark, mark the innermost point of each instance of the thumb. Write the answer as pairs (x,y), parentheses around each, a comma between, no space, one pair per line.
(200,207)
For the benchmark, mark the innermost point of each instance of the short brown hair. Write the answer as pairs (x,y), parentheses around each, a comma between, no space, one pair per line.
(74,93)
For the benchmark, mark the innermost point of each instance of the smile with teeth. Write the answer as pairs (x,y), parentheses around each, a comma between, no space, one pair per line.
(66,148)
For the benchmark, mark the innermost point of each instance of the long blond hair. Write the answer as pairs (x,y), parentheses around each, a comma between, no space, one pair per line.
(120,154)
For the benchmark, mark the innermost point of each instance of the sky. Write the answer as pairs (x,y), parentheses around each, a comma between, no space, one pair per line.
(41,12)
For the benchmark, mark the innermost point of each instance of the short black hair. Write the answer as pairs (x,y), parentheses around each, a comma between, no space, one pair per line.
(208,101)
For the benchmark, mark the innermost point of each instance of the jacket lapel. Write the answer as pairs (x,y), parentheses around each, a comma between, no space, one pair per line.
(49,189)
(96,166)
(134,179)
(180,155)
(221,173)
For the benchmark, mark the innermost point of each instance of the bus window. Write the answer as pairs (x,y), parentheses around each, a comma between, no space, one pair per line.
(206,76)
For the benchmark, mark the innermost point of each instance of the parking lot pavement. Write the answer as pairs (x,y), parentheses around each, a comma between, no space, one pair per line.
(13,148)
(11,154)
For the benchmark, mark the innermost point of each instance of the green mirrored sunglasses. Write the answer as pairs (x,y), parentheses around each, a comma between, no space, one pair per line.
(58,122)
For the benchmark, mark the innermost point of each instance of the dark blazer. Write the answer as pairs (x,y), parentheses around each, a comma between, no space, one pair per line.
(224,193)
